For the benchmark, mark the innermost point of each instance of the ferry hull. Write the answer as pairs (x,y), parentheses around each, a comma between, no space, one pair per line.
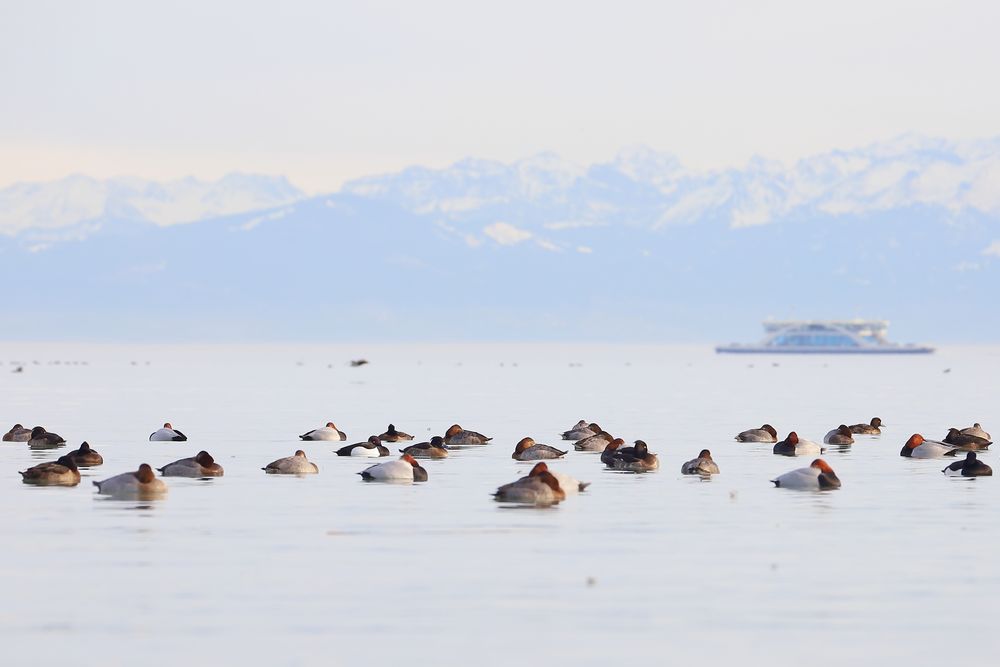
(750,349)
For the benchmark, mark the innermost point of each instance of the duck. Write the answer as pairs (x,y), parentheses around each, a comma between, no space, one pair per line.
(404,469)
(142,482)
(874,427)
(372,448)
(594,443)
(328,432)
(435,449)
(919,448)
(839,436)
(85,456)
(201,465)
(640,459)
(608,455)
(41,439)
(793,445)
(167,433)
(819,476)
(765,433)
(540,489)
(292,465)
(392,435)
(456,435)
(977,431)
(58,473)
(970,466)
(581,430)
(528,450)
(569,484)
(703,465)
(17,433)
(965,440)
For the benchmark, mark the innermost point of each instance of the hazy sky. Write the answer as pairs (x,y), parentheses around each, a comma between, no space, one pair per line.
(325,91)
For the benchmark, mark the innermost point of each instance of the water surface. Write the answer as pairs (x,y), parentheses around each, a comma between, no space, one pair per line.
(897,565)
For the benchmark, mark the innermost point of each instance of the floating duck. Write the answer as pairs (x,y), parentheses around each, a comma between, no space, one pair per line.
(839,436)
(141,483)
(874,427)
(59,473)
(201,465)
(639,459)
(765,433)
(328,432)
(793,445)
(167,433)
(970,466)
(86,457)
(541,489)
(819,476)
(456,435)
(919,448)
(292,465)
(435,449)
(581,430)
(528,450)
(392,435)
(372,448)
(703,465)
(594,443)
(404,469)
(17,433)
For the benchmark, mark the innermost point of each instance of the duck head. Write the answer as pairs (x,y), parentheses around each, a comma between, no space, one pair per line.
(145,474)
(204,459)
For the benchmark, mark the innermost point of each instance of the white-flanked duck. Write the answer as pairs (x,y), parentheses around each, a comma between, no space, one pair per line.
(58,473)
(167,433)
(542,488)
(581,430)
(965,440)
(201,465)
(765,433)
(372,448)
(435,449)
(528,450)
(141,483)
(17,433)
(917,447)
(633,459)
(569,484)
(392,435)
(42,439)
(328,432)
(594,443)
(970,466)
(874,427)
(292,465)
(819,476)
(703,465)
(793,445)
(456,435)
(839,436)
(977,431)
(85,457)
(404,469)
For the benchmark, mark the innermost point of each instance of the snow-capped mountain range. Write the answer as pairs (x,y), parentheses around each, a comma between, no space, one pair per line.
(903,230)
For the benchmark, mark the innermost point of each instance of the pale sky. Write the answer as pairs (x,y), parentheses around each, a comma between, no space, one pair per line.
(327,91)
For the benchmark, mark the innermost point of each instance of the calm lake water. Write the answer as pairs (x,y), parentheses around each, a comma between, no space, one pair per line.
(899,565)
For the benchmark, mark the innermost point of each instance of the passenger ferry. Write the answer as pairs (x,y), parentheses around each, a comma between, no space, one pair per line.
(825,337)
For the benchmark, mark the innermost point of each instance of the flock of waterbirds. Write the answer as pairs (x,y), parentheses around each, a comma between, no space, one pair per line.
(541,486)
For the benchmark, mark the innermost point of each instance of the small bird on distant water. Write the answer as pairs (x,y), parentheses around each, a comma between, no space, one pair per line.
(703,465)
